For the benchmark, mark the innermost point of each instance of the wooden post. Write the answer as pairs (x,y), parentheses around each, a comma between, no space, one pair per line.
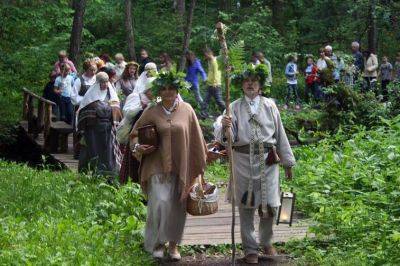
(47,124)
(30,114)
(25,106)
(40,116)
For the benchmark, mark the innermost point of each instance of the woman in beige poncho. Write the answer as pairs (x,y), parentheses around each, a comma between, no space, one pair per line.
(168,171)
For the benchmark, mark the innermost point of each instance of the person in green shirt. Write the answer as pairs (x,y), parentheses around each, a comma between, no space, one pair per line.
(213,82)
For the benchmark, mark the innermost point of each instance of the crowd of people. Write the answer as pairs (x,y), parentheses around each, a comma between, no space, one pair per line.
(328,69)
(110,102)
(362,67)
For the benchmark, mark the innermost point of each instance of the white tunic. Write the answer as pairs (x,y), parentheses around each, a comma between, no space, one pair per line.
(75,97)
(272,132)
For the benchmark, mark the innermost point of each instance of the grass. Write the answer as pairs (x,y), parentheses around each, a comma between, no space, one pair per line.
(49,218)
(347,184)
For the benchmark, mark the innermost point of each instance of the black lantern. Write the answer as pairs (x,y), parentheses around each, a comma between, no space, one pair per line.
(285,213)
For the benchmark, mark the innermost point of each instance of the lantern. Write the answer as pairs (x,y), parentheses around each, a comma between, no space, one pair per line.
(285,213)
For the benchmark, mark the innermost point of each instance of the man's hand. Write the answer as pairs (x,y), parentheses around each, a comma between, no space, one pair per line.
(226,121)
(145,149)
(288,173)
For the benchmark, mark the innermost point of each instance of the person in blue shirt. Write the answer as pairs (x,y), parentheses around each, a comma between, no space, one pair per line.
(358,58)
(193,68)
(63,86)
(291,76)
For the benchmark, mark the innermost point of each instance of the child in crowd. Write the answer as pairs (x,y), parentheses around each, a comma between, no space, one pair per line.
(291,76)
(350,70)
(385,71)
(312,87)
(63,86)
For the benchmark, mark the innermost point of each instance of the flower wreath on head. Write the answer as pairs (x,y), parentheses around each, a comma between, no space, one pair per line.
(171,78)
(288,56)
(250,71)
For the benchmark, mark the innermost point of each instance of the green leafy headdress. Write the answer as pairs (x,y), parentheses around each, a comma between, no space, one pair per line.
(171,78)
(259,72)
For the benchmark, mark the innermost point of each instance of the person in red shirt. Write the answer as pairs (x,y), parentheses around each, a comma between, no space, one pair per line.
(63,59)
(312,80)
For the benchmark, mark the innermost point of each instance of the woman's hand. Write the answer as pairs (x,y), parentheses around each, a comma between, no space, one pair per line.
(226,121)
(288,173)
(145,149)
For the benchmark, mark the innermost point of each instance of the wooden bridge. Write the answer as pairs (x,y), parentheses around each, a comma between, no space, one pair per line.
(55,140)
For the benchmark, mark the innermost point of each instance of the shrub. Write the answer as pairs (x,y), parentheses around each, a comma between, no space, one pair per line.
(56,218)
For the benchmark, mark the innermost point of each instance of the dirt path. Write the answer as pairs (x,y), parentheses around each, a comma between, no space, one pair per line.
(222,260)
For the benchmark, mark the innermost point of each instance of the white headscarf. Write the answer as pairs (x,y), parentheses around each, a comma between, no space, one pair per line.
(142,84)
(94,93)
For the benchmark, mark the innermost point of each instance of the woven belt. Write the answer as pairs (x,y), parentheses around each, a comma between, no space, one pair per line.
(246,148)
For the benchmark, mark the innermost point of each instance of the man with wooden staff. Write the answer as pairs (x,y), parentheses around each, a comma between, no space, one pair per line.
(259,145)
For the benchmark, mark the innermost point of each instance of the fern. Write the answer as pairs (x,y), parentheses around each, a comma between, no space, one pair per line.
(236,55)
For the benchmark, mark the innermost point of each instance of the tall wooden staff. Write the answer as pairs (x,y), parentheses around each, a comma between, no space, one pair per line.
(228,133)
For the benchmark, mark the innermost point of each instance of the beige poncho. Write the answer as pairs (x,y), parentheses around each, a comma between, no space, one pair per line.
(182,150)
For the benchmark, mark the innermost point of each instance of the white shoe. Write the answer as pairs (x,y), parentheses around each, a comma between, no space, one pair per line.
(158,253)
(174,254)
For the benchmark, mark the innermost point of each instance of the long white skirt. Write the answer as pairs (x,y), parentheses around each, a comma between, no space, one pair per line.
(166,215)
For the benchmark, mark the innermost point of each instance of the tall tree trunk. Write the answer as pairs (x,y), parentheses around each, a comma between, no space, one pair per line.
(225,5)
(77,27)
(372,30)
(277,7)
(186,31)
(129,30)
(179,6)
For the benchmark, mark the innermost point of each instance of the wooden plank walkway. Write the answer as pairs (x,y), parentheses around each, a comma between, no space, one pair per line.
(201,230)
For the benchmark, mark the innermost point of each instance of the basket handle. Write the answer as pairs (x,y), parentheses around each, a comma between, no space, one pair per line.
(200,182)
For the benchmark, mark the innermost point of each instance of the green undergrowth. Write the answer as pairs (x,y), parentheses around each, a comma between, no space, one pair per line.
(53,218)
(349,185)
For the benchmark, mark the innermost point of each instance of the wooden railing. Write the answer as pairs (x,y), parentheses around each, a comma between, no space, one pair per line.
(38,116)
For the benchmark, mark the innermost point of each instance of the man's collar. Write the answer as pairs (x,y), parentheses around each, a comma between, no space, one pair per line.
(255,100)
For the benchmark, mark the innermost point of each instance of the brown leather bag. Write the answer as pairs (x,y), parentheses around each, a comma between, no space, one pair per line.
(272,157)
(148,135)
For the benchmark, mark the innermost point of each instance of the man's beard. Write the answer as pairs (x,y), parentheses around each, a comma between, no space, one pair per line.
(252,93)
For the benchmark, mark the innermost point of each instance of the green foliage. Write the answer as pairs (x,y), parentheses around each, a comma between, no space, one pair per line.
(350,191)
(260,72)
(307,123)
(51,218)
(253,27)
(237,56)
(393,103)
(348,186)
(217,173)
(347,106)
(30,39)
(166,79)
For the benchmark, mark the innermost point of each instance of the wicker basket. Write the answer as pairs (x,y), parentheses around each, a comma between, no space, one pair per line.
(200,204)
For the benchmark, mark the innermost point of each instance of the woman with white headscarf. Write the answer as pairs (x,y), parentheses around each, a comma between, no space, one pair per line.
(135,103)
(98,110)
(147,76)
